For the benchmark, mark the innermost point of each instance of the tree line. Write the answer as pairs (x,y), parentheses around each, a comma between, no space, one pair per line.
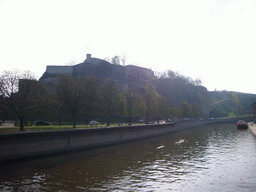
(117,59)
(87,98)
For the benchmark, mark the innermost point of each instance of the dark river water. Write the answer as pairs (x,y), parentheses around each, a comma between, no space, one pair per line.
(210,158)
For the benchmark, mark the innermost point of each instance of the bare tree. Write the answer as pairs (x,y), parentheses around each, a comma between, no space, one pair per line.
(198,82)
(108,59)
(123,57)
(71,62)
(22,92)
(137,64)
(9,82)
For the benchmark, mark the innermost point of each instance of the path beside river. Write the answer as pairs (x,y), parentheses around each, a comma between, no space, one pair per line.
(8,124)
(252,128)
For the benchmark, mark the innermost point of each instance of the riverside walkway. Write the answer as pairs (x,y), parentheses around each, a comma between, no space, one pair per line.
(252,128)
(8,124)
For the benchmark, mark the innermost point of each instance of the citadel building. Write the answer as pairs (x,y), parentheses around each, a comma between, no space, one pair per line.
(128,76)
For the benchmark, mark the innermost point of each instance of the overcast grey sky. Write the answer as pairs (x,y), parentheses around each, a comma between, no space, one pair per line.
(214,40)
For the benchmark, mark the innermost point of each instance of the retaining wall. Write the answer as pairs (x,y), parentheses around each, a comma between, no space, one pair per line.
(25,144)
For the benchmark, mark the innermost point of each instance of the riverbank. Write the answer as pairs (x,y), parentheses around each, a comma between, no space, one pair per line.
(15,129)
(27,144)
(252,128)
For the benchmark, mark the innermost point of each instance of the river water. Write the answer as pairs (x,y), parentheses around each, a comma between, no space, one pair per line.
(210,158)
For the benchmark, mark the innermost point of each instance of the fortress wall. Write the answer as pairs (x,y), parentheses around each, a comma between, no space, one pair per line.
(54,69)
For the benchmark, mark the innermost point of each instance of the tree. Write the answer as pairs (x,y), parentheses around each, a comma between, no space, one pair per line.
(164,108)
(187,110)
(235,102)
(171,74)
(23,93)
(234,99)
(91,85)
(177,111)
(198,82)
(197,111)
(123,57)
(116,60)
(4,109)
(108,59)
(71,62)
(9,82)
(134,104)
(71,95)
(112,102)
(150,97)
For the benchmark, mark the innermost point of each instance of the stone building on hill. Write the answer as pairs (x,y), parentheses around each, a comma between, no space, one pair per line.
(127,76)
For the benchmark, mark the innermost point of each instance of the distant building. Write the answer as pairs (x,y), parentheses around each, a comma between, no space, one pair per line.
(126,76)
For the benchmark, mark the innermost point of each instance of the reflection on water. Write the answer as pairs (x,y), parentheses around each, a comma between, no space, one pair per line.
(211,158)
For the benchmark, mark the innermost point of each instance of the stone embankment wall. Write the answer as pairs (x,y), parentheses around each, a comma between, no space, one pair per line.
(25,144)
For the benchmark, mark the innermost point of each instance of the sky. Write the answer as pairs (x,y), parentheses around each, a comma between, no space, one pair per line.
(214,40)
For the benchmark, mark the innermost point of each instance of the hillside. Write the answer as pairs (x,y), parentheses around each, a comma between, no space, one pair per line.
(179,89)
(172,85)
(241,106)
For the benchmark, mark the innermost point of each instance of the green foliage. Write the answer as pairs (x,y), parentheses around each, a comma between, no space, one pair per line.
(221,111)
(4,108)
(112,101)
(70,96)
(238,104)
(23,93)
(91,109)
(88,98)
(164,107)
(151,100)
(178,89)
(231,114)
(175,111)
(197,111)
(187,110)
(234,99)
(135,106)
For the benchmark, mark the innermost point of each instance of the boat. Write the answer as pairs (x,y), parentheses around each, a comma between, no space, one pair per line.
(241,124)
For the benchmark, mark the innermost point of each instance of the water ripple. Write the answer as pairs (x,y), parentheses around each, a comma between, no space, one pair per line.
(211,158)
